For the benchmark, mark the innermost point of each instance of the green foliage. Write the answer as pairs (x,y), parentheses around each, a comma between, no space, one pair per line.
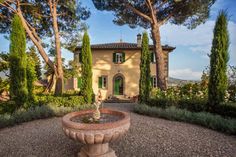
(37,112)
(188,13)
(218,62)
(71,99)
(86,69)
(17,58)
(205,119)
(36,59)
(144,82)
(187,91)
(7,107)
(31,77)
(72,70)
(4,85)
(232,83)
(192,97)
(37,14)
(4,62)
(64,100)
(226,109)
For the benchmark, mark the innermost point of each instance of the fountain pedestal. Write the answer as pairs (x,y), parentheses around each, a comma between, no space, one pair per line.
(96,150)
(96,136)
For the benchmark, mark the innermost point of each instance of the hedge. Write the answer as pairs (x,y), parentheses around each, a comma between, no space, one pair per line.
(206,119)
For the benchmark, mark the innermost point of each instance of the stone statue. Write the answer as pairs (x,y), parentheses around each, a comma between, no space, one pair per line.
(97,103)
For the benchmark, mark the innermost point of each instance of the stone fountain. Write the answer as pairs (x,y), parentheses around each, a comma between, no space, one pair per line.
(95,129)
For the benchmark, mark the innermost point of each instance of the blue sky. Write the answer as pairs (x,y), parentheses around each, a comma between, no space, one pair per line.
(189,58)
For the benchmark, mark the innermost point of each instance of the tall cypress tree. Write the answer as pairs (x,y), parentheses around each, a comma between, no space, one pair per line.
(32,53)
(86,69)
(218,62)
(31,76)
(144,81)
(18,78)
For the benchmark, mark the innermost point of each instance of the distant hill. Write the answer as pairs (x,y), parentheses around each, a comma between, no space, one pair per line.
(175,81)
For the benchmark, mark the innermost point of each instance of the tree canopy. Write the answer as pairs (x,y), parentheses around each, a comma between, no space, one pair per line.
(137,12)
(38,16)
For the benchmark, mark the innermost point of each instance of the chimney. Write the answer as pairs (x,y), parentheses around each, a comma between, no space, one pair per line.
(139,40)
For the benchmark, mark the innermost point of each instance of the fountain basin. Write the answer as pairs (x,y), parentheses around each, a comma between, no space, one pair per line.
(96,136)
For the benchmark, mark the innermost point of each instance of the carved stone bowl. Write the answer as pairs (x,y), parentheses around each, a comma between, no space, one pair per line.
(95,136)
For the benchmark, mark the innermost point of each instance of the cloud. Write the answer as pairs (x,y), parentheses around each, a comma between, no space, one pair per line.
(199,40)
(185,74)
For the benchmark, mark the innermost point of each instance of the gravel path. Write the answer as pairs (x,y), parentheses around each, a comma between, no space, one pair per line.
(148,137)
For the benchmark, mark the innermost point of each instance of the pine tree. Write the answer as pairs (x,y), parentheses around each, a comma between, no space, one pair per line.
(31,77)
(86,69)
(18,78)
(218,62)
(35,57)
(144,81)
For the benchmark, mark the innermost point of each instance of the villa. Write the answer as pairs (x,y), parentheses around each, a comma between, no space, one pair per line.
(116,68)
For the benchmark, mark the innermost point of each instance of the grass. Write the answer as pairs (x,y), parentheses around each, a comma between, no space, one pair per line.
(38,112)
(209,120)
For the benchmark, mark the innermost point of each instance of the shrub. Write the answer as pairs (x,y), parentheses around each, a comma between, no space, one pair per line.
(38,112)
(208,120)
(226,109)
(66,101)
(59,101)
(7,107)
(162,102)
(194,105)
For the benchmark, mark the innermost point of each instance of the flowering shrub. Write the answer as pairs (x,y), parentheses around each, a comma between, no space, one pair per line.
(192,97)
(187,91)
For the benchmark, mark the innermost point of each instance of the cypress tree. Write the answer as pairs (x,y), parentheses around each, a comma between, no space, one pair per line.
(86,69)
(144,81)
(218,62)
(31,76)
(35,57)
(18,80)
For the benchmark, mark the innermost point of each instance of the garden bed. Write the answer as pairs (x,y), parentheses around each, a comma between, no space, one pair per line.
(209,120)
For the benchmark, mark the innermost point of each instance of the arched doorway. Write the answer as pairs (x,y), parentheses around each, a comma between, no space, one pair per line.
(118,84)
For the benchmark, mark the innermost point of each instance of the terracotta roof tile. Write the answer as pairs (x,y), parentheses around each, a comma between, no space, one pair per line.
(123,45)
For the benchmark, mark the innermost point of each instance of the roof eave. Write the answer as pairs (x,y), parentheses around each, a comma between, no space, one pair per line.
(169,49)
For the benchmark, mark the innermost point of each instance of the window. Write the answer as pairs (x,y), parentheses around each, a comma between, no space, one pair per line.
(102,82)
(119,57)
(154,81)
(153,57)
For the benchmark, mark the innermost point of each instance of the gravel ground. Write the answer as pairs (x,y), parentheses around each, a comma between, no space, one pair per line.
(148,137)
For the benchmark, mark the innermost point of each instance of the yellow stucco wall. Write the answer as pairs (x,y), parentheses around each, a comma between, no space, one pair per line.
(103,66)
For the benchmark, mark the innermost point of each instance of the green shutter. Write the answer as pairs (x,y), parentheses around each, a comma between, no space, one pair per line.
(123,57)
(79,82)
(80,57)
(100,82)
(152,58)
(114,57)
